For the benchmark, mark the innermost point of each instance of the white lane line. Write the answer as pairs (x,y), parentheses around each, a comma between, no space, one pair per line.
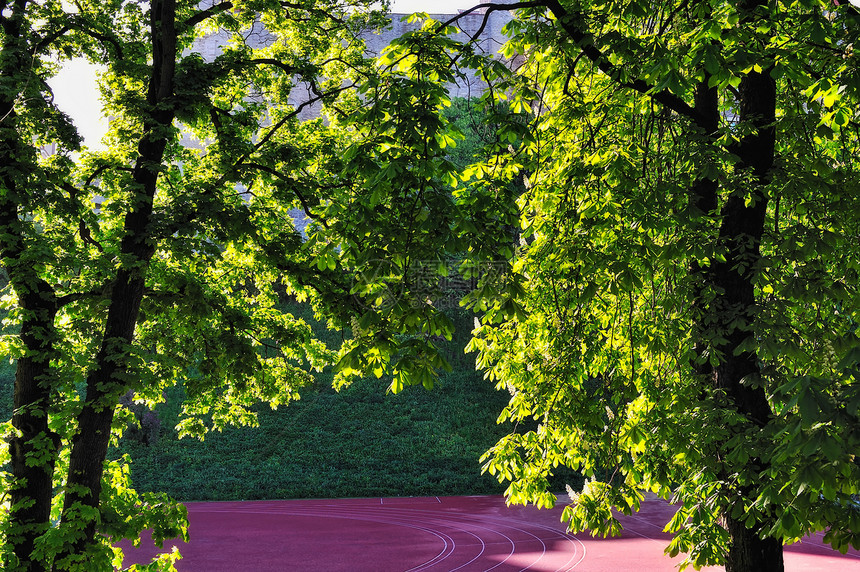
(389,516)
(500,523)
(826,547)
(506,522)
(496,530)
(478,555)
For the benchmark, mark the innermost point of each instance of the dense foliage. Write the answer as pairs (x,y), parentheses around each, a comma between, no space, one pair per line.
(156,262)
(687,307)
(677,301)
(662,234)
(359,442)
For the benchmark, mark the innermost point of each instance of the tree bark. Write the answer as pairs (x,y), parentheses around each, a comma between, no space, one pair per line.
(749,553)
(108,380)
(32,491)
(741,231)
(32,483)
(731,314)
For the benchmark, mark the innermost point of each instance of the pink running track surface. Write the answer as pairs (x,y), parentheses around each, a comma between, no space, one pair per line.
(432,534)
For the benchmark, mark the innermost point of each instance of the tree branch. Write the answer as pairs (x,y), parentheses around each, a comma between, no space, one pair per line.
(277,63)
(178,223)
(75,23)
(101,169)
(584,42)
(83,229)
(208,13)
(319,12)
(490,8)
(70,298)
(48,40)
(305,206)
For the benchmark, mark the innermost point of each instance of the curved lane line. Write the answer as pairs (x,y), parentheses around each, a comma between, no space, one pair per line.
(507,523)
(401,515)
(504,524)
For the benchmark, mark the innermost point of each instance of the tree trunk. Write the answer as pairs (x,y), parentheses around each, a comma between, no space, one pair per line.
(733,311)
(32,483)
(741,231)
(108,380)
(105,385)
(749,553)
(31,489)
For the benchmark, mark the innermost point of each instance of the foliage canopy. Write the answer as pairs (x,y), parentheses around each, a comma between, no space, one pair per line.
(671,296)
(158,260)
(686,307)
(679,301)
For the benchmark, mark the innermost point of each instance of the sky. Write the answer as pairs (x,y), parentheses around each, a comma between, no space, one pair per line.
(76,94)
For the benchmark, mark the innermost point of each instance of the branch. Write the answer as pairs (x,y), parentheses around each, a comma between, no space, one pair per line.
(304,8)
(83,229)
(208,13)
(297,111)
(48,40)
(106,39)
(187,218)
(492,7)
(273,62)
(74,23)
(671,17)
(305,206)
(101,169)
(584,42)
(70,298)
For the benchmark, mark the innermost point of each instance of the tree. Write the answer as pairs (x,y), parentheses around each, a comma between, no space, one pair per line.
(685,309)
(680,311)
(153,263)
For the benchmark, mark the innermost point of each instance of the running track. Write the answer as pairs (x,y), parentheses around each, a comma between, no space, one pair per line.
(431,534)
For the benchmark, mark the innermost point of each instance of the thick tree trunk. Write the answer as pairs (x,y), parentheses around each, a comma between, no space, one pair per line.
(105,384)
(32,483)
(108,379)
(32,488)
(749,553)
(733,312)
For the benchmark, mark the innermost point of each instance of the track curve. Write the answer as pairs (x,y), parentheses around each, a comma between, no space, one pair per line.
(427,534)
(431,534)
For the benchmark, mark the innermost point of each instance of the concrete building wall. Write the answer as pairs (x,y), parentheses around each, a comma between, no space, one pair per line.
(490,41)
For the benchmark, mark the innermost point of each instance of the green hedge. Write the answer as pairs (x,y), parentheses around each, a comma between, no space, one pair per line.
(359,442)
(7,388)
